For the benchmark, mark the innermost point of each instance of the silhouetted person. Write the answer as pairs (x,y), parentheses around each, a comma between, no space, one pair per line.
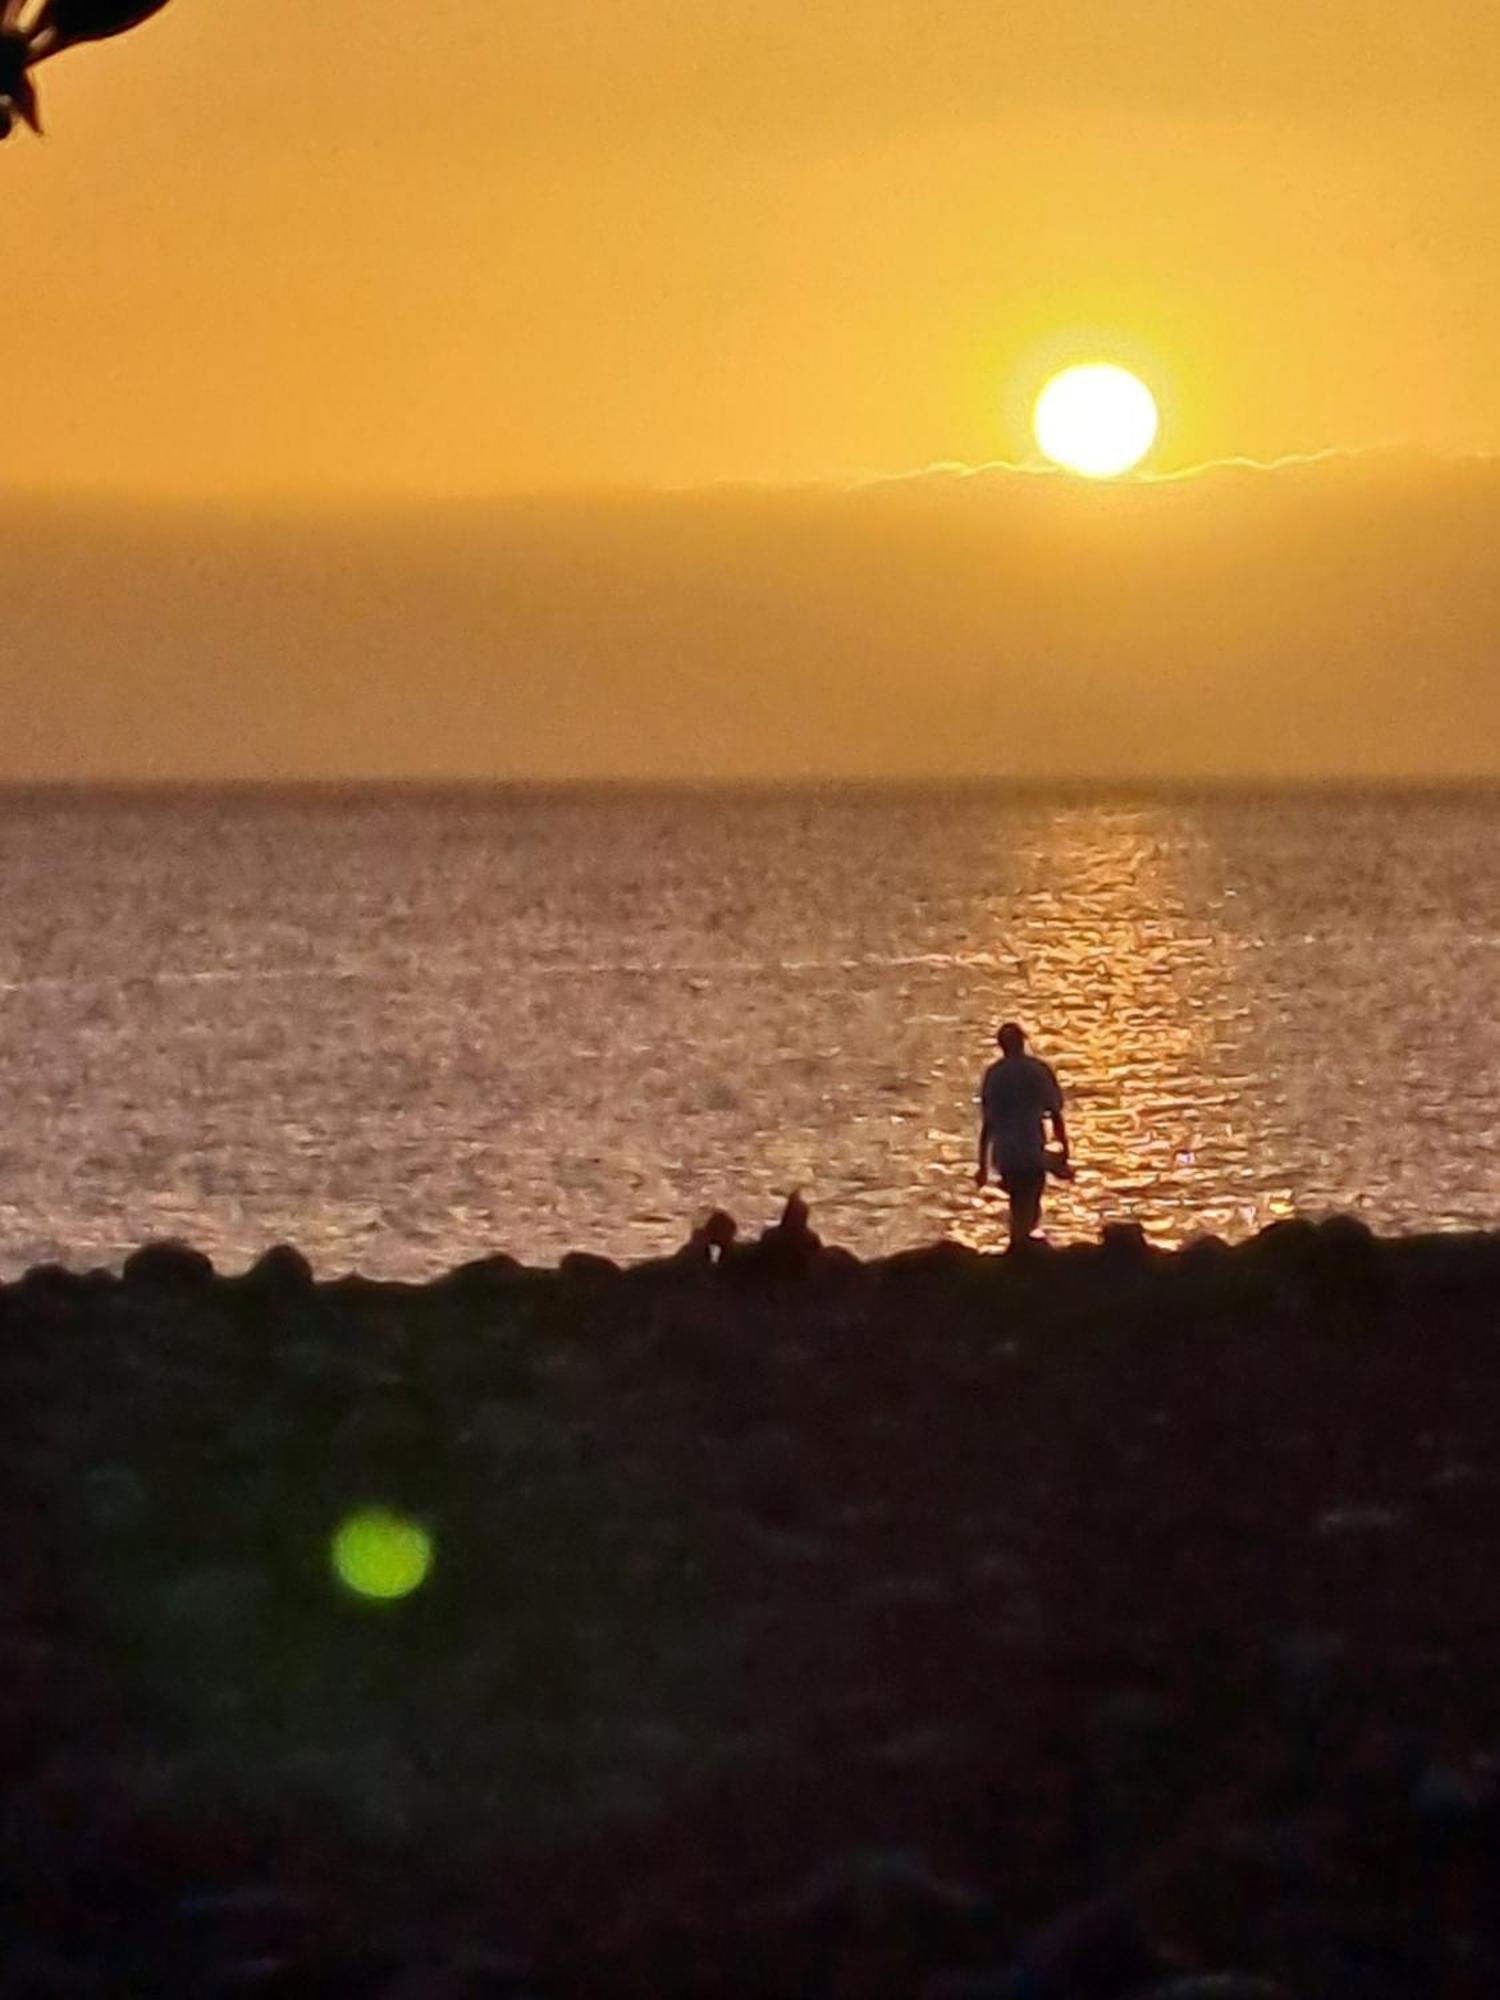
(1017,1095)
(790,1247)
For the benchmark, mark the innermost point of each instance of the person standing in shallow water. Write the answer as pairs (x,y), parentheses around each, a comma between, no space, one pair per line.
(1018,1094)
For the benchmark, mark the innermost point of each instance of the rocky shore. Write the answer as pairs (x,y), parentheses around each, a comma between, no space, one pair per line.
(1097,1623)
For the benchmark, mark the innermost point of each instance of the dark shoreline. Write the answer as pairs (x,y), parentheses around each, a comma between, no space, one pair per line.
(797,1625)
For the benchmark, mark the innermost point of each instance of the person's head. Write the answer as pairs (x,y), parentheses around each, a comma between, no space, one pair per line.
(1012,1039)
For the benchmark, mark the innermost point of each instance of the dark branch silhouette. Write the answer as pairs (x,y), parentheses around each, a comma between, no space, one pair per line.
(29,34)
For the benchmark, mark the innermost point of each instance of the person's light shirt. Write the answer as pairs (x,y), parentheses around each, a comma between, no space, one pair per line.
(1018,1092)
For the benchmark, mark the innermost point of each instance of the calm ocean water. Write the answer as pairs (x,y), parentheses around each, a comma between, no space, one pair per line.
(401,1030)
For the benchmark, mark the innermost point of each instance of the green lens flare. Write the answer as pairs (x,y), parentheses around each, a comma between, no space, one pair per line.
(380,1554)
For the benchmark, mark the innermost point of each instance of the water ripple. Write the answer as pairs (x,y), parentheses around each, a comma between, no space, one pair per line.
(404,1031)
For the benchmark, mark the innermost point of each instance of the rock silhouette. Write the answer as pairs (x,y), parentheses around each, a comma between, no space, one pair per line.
(1117,1622)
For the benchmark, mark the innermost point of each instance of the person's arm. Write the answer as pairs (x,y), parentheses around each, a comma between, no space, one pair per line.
(982,1171)
(1055,1112)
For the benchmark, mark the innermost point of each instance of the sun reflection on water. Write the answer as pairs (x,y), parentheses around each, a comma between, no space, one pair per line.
(1131,999)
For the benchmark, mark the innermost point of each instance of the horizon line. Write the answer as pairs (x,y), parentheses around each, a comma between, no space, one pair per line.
(12,788)
(324,499)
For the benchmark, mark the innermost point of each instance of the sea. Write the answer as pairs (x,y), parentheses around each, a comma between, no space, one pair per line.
(404,1028)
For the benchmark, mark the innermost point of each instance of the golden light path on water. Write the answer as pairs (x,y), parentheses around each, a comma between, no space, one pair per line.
(1129,996)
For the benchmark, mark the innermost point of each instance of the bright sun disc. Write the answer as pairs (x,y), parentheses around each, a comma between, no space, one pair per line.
(1096,419)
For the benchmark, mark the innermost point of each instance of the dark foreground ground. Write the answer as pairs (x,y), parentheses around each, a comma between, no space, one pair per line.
(1066,1626)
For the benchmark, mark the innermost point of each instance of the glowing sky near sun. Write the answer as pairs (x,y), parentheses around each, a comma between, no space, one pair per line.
(666,243)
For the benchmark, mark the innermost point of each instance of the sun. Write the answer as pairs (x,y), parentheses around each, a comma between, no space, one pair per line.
(1095,419)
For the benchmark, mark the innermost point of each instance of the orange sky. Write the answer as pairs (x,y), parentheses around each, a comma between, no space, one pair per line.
(480,247)
(287,281)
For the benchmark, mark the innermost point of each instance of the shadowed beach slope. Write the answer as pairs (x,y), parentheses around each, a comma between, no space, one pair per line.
(794,1625)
